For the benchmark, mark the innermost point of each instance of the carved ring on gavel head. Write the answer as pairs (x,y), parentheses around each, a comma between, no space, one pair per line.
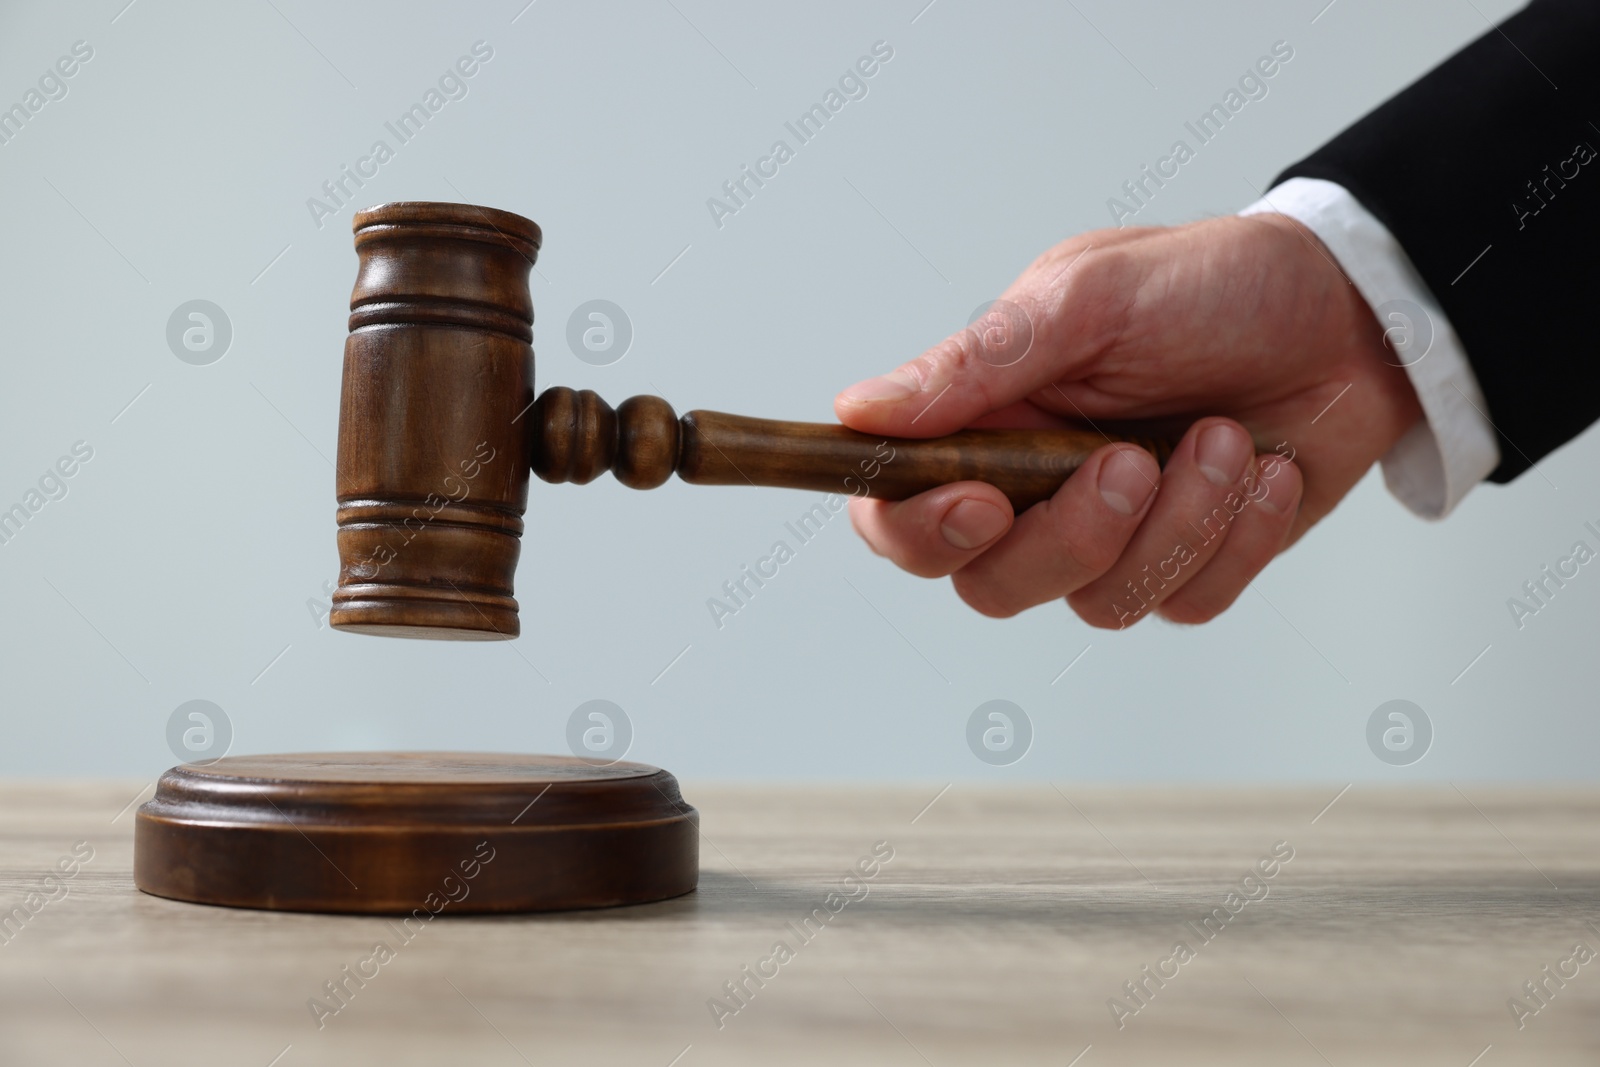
(439,428)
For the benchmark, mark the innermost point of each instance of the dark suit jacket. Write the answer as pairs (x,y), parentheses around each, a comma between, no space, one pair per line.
(1496,154)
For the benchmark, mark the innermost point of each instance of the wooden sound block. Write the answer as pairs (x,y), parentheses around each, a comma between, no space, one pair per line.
(397,833)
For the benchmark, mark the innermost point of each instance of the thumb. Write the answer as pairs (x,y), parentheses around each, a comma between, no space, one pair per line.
(1048,326)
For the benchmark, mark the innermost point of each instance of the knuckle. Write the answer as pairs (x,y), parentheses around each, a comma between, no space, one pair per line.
(981,596)
(1090,555)
(907,533)
(913,557)
(957,356)
(956,362)
(921,567)
(1051,261)
(1191,609)
(1088,550)
(1095,297)
(1185,613)
(866,528)
(1099,613)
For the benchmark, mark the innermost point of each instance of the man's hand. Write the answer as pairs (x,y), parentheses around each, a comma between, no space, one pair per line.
(1244,324)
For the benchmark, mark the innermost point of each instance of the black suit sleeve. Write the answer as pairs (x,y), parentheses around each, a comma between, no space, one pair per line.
(1487,173)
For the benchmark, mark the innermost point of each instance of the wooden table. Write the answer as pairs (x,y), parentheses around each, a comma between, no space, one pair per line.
(999,931)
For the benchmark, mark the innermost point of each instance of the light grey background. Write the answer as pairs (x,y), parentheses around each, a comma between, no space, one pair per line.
(181,563)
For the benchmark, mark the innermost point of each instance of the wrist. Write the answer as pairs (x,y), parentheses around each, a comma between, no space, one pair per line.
(1365,359)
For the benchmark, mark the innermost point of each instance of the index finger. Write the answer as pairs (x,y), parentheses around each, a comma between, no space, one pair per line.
(1054,319)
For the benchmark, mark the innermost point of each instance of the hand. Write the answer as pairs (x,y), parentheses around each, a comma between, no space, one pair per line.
(1245,324)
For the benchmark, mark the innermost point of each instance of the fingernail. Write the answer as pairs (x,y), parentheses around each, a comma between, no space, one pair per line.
(1276,496)
(972,523)
(896,385)
(1222,452)
(1125,481)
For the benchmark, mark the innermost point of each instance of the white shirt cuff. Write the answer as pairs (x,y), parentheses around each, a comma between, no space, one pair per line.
(1431,468)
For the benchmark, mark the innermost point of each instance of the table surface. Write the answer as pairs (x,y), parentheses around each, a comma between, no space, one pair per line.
(999,931)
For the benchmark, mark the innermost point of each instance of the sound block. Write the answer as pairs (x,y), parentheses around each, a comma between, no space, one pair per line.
(401,833)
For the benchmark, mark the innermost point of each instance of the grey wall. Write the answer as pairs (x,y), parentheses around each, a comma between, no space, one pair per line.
(180,563)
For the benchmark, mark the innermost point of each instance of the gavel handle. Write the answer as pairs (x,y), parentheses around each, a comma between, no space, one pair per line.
(576,436)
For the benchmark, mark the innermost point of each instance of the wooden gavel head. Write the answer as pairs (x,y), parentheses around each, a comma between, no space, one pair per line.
(439,429)
(433,445)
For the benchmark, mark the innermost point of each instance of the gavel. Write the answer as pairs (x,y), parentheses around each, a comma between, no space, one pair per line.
(439,429)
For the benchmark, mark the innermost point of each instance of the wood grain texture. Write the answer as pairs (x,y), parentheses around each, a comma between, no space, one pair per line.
(432,472)
(997,932)
(577,436)
(410,833)
(1027,465)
